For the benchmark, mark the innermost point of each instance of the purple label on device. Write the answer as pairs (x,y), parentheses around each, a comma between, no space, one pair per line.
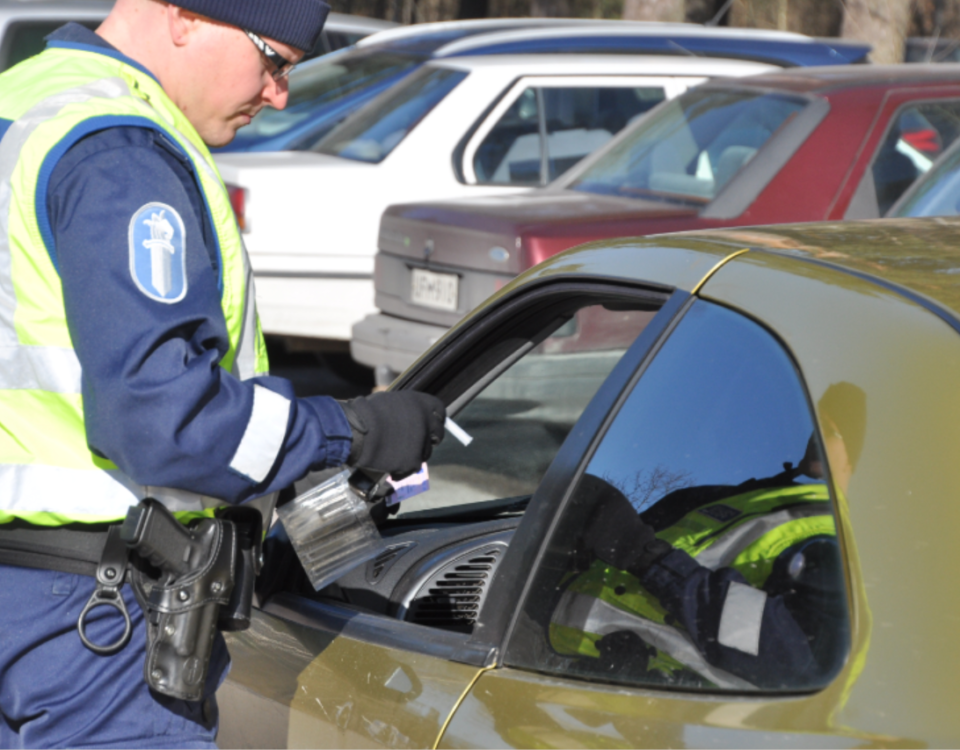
(412,485)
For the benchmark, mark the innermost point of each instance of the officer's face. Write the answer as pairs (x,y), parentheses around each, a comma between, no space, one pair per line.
(231,81)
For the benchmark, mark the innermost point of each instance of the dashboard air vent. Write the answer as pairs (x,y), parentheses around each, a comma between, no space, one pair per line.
(382,562)
(452,596)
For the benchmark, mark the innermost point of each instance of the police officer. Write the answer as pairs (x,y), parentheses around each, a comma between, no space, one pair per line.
(132,359)
(731,587)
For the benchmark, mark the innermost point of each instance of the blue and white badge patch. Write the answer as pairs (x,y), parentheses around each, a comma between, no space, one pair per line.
(158,261)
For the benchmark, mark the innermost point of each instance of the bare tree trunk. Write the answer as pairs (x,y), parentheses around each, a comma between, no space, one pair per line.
(473,9)
(881,23)
(760,14)
(653,10)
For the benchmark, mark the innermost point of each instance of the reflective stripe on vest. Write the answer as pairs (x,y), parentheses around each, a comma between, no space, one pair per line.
(47,473)
(749,543)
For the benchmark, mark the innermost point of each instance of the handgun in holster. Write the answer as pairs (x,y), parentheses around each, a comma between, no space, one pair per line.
(190,582)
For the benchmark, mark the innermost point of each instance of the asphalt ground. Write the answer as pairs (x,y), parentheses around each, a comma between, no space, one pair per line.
(319,374)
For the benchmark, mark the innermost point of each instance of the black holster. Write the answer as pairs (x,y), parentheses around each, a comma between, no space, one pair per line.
(248,524)
(190,581)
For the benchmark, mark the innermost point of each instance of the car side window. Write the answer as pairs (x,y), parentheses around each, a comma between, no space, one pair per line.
(918,134)
(699,548)
(549,129)
(519,418)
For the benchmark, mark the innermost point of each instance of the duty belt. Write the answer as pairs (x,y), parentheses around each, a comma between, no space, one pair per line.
(189,580)
(69,549)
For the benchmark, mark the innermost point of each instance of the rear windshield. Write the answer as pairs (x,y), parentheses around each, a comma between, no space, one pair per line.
(686,150)
(373,132)
(319,85)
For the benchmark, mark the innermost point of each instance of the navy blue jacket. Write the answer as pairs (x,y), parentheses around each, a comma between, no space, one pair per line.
(155,401)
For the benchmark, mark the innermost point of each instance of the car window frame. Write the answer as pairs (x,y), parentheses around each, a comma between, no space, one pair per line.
(680,303)
(467,149)
(863,200)
(508,586)
(480,647)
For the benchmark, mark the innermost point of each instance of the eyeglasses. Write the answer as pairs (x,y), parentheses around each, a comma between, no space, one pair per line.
(281,64)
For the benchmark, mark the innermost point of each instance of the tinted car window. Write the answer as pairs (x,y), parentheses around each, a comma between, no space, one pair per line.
(374,131)
(27,38)
(691,147)
(324,83)
(519,420)
(918,134)
(339,39)
(575,120)
(715,453)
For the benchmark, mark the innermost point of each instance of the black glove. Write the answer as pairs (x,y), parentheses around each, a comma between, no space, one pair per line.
(394,432)
(614,531)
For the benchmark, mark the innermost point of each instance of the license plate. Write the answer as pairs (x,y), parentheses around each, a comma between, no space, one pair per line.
(437,290)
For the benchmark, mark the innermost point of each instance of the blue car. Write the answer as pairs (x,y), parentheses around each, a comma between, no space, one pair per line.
(324,91)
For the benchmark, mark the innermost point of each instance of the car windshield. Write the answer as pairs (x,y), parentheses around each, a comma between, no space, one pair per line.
(316,88)
(937,194)
(373,132)
(688,149)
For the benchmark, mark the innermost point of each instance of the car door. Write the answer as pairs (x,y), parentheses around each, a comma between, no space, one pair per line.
(717,412)
(382,657)
(543,125)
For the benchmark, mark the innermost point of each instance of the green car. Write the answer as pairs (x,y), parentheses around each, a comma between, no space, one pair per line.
(707,503)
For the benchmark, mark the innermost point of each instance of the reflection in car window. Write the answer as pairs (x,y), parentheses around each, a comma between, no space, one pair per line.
(321,84)
(520,419)
(690,148)
(918,135)
(576,121)
(699,549)
(373,132)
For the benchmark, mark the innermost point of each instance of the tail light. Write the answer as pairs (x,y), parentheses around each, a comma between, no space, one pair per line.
(238,199)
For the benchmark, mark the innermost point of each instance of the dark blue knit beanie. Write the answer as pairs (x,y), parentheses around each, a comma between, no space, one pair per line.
(294,22)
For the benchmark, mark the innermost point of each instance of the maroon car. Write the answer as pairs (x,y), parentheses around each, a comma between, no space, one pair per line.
(800,145)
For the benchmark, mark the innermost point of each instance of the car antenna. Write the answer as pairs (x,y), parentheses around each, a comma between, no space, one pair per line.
(715,21)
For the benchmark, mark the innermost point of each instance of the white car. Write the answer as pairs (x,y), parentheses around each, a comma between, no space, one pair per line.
(457,127)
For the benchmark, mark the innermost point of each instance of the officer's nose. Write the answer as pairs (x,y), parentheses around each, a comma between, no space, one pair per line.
(275,92)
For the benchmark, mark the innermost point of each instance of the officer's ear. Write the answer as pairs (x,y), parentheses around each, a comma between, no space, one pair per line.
(183,24)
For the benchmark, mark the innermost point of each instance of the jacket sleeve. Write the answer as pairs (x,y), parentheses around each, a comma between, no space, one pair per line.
(156,402)
(750,632)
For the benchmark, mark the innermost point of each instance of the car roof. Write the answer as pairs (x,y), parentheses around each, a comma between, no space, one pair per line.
(58,8)
(363,24)
(838,77)
(777,47)
(427,38)
(566,35)
(532,64)
(921,256)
